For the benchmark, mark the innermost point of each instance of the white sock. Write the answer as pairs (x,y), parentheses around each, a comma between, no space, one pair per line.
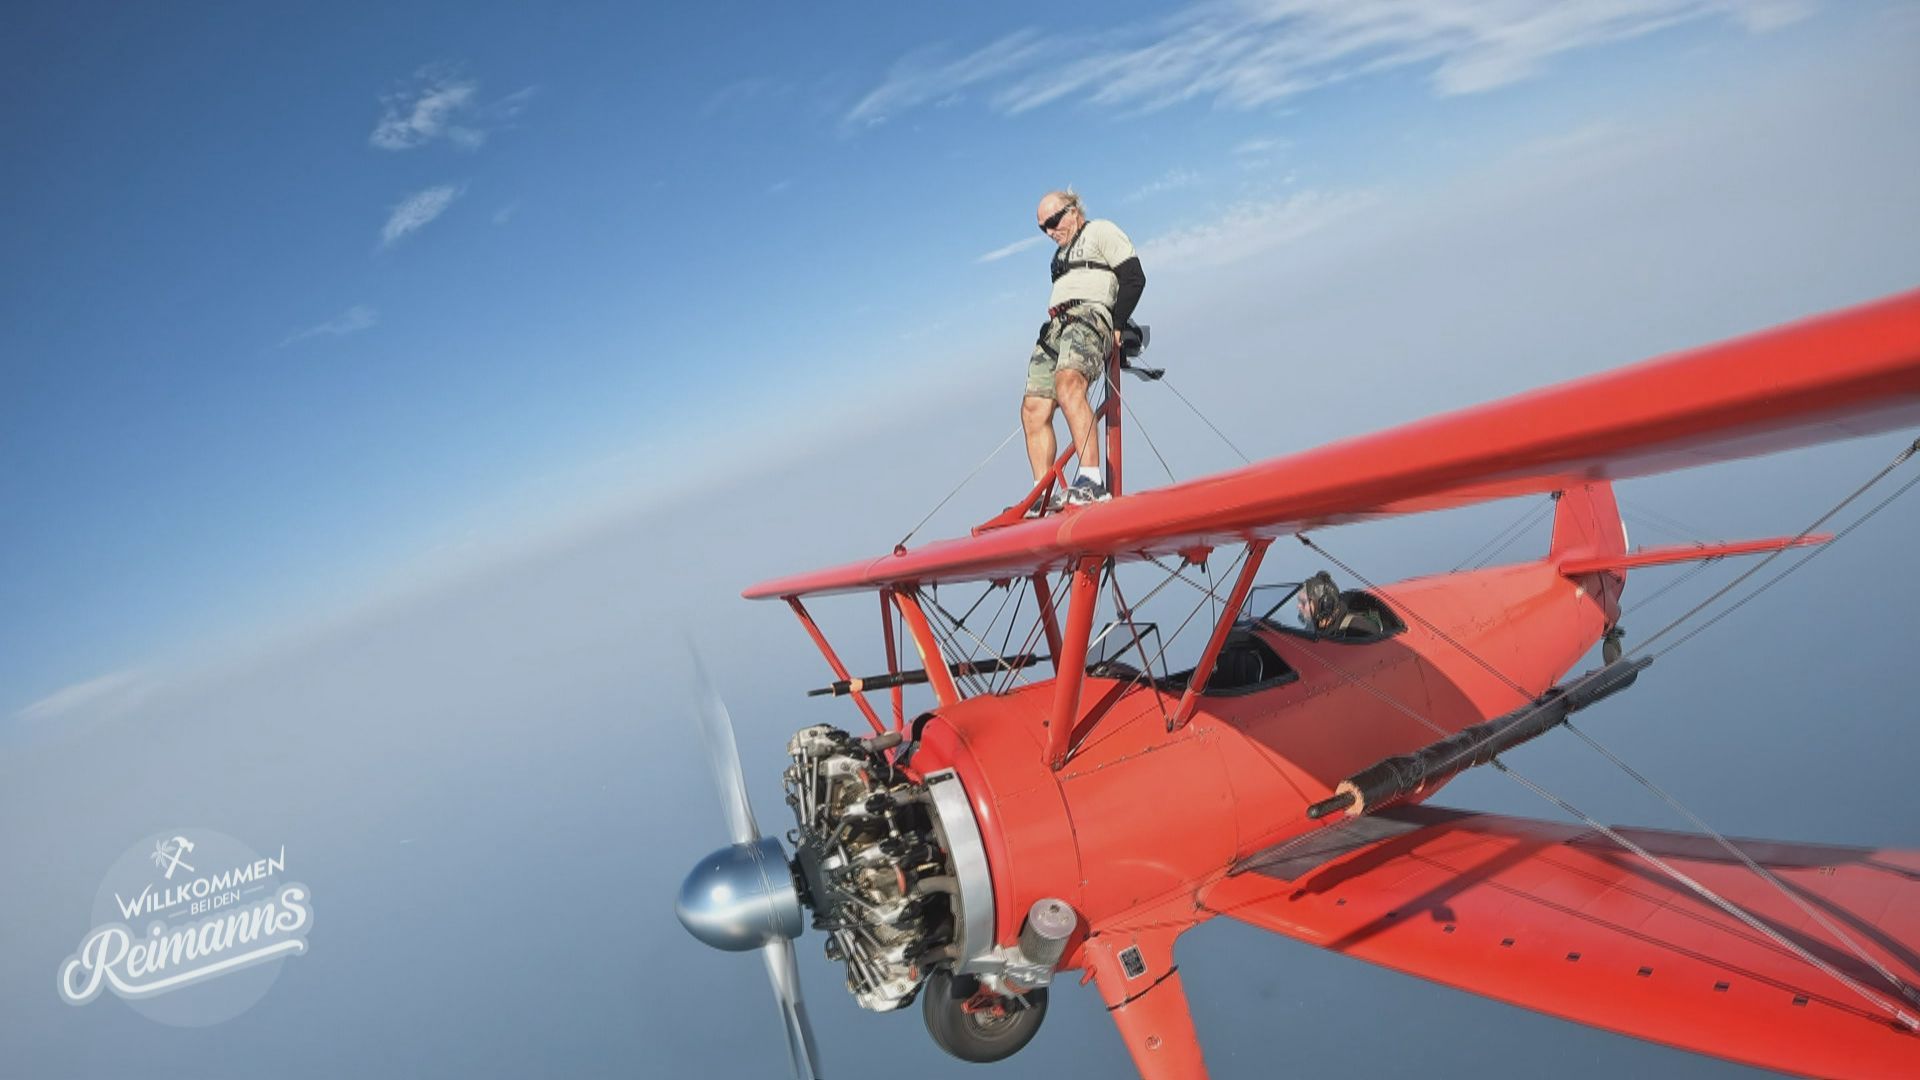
(1090,473)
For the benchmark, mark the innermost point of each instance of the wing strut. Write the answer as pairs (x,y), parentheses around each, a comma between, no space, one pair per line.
(893,660)
(931,657)
(1256,550)
(833,661)
(1044,595)
(1071,659)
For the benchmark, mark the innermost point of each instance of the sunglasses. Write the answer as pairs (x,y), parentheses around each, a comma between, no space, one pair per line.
(1053,222)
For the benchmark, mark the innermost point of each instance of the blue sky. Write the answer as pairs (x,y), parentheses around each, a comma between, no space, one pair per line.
(299,304)
(330,520)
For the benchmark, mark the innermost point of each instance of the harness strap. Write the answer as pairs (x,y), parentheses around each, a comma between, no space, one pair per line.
(1060,268)
(1061,265)
(1065,315)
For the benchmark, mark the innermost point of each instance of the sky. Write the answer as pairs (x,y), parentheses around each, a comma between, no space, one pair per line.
(382,397)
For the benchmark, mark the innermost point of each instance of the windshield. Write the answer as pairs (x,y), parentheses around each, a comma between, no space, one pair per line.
(1263,601)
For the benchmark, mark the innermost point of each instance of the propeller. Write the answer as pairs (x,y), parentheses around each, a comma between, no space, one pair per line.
(742,896)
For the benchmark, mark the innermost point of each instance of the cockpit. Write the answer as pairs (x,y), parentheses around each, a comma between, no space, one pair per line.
(1316,608)
(1313,609)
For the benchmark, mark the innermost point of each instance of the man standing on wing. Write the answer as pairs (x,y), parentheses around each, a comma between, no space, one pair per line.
(1097,280)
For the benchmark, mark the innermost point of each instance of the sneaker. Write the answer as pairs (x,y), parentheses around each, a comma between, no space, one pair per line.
(1039,507)
(1086,491)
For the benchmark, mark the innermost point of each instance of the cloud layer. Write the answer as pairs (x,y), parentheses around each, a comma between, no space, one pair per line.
(114,693)
(1255,53)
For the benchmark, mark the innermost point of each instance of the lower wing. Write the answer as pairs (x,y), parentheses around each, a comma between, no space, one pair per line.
(1563,920)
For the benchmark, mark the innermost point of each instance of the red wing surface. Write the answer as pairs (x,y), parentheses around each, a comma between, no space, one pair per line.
(1846,374)
(1560,919)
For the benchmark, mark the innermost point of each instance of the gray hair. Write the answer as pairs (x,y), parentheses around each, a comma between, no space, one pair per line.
(1069,199)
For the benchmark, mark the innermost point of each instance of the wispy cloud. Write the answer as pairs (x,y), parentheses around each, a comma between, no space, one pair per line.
(746,97)
(119,690)
(505,213)
(351,321)
(432,107)
(416,211)
(1014,248)
(1259,146)
(1174,180)
(440,103)
(1253,53)
(1250,228)
(921,78)
(1581,139)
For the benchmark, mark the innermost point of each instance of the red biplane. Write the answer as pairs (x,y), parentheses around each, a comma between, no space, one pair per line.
(969,855)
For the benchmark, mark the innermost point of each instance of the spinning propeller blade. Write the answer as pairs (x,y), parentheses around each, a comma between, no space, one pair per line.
(716,727)
(742,896)
(784,973)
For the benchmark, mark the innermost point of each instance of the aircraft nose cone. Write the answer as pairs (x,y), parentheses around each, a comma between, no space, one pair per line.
(740,897)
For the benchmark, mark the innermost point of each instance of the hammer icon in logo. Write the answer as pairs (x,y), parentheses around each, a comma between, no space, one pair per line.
(169,853)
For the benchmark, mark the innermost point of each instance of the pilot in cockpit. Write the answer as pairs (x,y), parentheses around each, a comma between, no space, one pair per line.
(1326,612)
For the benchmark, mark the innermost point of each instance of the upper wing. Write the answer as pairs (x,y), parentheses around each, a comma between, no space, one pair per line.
(1560,919)
(1841,375)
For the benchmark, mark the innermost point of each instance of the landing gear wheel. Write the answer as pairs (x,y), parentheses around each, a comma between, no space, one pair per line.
(977,1026)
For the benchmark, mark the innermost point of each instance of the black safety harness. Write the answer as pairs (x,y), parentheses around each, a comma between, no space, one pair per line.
(1068,312)
(1062,264)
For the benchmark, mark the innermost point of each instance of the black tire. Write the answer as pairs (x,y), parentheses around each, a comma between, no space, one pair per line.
(979,1037)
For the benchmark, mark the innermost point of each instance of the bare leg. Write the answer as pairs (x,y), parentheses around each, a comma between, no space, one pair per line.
(1071,388)
(1036,417)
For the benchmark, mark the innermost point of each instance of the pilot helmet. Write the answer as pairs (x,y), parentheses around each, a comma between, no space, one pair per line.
(1320,601)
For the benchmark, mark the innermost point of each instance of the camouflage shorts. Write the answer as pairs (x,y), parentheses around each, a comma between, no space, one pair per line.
(1081,348)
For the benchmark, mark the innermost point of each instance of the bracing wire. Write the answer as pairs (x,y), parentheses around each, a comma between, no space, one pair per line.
(1203,419)
(1730,907)
(1142,429)
(1661,522)
(911,533)
(1704,892)
(1685,880)
(1804,560)
(1509,534)
(1692,572)
(1765,875)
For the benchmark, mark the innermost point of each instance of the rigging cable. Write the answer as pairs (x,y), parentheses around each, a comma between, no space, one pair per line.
(1731,908)
(960,625)
(1690,883)
(1139,644)
(1032,639)
(1661,522)
(1203,419)
(1695,886)
(1525,694)
(1765,875)
(1142,429)
(1516,528)
(1692,572)
(1804,560)
(964,481)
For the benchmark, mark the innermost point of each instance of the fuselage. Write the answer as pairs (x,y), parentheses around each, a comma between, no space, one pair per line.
(1141,817)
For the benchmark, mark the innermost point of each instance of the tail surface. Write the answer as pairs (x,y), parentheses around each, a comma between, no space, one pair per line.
(1587,525)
